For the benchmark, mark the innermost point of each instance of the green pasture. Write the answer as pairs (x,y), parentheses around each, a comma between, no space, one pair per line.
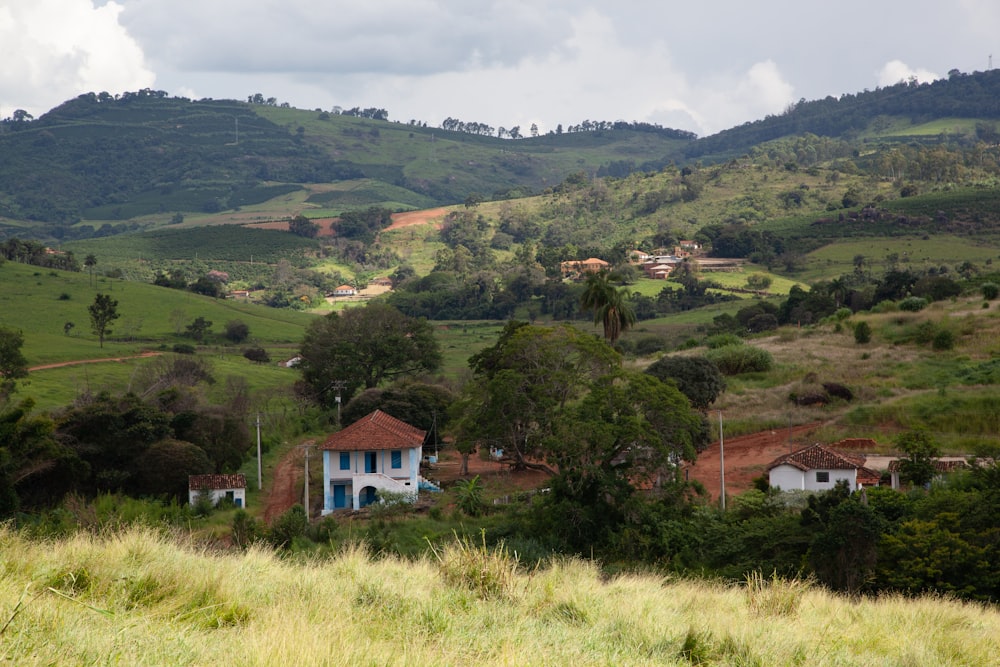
(40,302)
(913,252)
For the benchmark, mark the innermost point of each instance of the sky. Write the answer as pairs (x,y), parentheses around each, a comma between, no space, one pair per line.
(700,66)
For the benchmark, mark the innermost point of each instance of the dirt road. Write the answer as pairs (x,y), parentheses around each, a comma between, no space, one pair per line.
(746,457)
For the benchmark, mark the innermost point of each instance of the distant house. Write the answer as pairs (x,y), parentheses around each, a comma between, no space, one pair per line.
(942,466)
(578,267)
(376,453)
(689,245)
(219,487)
(819,468)
(344,290)
(239,294)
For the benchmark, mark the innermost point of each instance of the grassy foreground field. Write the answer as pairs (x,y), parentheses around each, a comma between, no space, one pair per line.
(138,598)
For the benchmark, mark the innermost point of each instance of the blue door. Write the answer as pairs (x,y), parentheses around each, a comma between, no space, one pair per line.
(370,460)
(339,496)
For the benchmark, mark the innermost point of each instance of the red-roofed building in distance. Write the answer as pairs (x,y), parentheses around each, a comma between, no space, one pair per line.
(219,487)
(819,468)
(376,453)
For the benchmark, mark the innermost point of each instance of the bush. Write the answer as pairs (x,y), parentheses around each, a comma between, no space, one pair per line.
(183,348)
(737,359)
(287,527)
(990,291)
(913,304)
(862,333)
(722,340)
(258,355)
(943,340)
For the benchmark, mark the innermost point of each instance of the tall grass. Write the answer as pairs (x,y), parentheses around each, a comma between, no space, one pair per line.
(142,598)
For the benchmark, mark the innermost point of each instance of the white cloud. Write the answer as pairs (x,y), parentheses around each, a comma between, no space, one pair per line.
(54,50)
(895,71)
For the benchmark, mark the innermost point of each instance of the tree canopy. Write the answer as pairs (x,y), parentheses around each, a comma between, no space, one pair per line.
(363,347)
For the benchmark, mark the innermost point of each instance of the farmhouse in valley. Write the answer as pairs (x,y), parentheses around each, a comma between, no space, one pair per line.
(219,487)
(376,453)
(819,468)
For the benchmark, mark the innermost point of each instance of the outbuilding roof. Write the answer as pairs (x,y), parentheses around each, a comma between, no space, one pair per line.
(375,431)
(217,482)
(818,457)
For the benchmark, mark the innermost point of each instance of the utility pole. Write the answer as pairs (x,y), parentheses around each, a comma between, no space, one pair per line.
(307,446)
(338,385)
(260,474)
(722,464)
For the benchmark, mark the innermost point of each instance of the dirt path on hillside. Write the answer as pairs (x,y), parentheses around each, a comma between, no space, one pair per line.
(284,489)
(746,457)
(63,364)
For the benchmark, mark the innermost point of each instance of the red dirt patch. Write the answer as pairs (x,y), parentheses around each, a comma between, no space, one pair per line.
(410,218)
(746,457)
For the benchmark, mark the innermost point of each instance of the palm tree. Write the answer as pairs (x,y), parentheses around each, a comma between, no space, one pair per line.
(90,262)
(610,305)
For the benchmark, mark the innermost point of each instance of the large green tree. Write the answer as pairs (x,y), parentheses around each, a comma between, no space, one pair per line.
(696,377)
(362,348)
(610,305)
(525,383)
(13,364)
(103,312)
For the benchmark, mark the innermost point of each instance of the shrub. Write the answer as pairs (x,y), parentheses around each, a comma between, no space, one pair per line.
(862,333)
(287,527)
(246,530)
(838,390)
(737,359)
(943,340)
(183,348)
(887,306)
(842,314)
(470,496)
(721,340)
(990,291)
(258,355)
(913,304)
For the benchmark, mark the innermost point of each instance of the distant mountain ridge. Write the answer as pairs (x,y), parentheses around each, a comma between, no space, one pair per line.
(146,156)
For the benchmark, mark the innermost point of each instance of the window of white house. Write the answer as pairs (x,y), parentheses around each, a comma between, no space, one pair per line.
(345,460)
(822,476)
(396,457)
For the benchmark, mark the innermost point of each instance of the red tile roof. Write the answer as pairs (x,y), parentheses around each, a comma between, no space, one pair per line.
(868,477)
(950,465)
(377,430)
(818,457)
(216,482)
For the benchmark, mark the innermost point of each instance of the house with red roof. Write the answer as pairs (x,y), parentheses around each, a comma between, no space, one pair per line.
(219,487)
(376,453)
(819,468)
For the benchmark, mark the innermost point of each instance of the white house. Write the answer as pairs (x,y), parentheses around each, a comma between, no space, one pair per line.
(344,290)
(218,487)
(818,468)
(376,453)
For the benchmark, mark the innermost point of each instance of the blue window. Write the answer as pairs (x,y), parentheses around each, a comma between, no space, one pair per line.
(345,460)
(397,458)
